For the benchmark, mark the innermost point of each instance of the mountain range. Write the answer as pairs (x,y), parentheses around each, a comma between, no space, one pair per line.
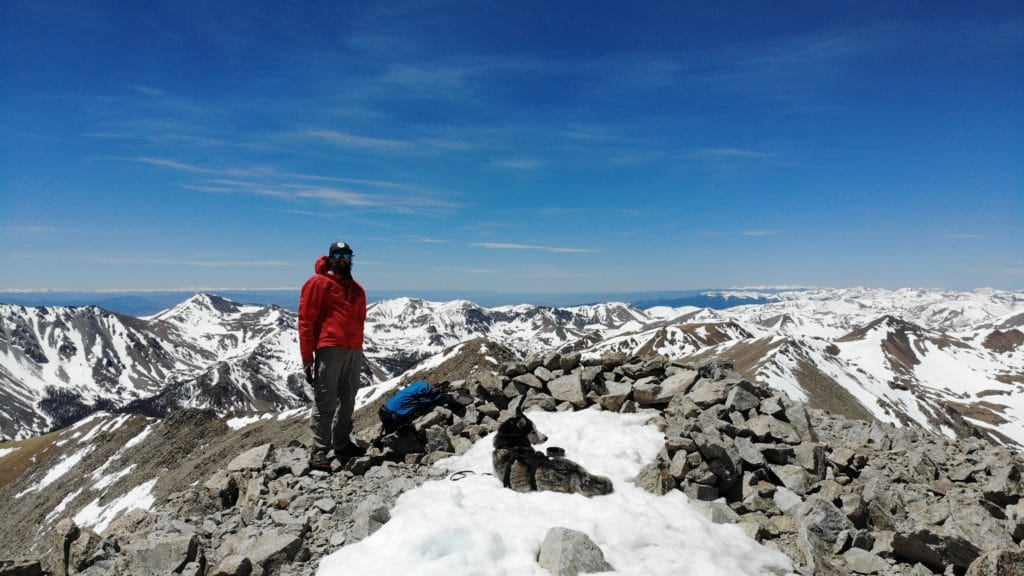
(947,361)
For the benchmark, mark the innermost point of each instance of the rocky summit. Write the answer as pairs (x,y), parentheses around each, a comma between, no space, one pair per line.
(839,496)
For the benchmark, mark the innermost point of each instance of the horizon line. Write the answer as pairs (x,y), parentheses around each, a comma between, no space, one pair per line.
(297,287)
(214,290)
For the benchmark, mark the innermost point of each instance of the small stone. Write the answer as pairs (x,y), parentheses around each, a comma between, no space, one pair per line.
(326,505)
(233,565)
(864,562)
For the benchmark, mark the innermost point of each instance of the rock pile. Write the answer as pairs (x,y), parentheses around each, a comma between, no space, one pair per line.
(266,513)
(838,496)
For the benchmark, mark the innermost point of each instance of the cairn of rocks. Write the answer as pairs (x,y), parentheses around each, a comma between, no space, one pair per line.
(838,496)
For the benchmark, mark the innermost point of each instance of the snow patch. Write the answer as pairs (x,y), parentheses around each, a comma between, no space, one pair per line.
(109,479)
(138,438)
(99,517)
(240,422)
(57,471)
(475,526)
(59,509)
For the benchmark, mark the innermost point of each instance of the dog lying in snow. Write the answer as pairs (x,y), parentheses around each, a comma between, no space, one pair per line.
(524,469)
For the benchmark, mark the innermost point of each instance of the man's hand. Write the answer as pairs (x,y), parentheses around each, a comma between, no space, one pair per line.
(308,370)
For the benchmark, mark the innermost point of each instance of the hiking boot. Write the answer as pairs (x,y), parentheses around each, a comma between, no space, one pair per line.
(319,460)
(349,452)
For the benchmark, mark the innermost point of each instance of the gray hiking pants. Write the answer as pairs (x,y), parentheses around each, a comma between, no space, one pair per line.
(335,381)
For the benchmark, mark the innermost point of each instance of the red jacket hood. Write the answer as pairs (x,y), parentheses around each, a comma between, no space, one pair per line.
(323,264)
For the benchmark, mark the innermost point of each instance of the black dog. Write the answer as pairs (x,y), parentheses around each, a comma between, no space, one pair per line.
(524,469)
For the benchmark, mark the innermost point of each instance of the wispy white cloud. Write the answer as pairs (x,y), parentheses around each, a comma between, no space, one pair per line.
(261,171)
(29,230)
(258,171)
(449,144)
(143,260)
(430,241)
(761,233)
(515,246)
(729,153)
(518,163)
(402,203)
(468,270)
(566,212)
(269,182)
(446,81)
(356,141)
(337,196)
(360,181)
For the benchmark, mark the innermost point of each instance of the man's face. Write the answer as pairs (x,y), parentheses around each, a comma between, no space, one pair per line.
(341,261)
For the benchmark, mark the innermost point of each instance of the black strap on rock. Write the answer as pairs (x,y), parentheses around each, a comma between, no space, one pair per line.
(463,473)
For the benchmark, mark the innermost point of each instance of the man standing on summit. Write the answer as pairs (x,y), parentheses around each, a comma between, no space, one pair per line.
(332,310)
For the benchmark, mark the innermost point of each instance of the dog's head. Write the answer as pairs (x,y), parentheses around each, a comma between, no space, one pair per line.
(518,431)
(590,485)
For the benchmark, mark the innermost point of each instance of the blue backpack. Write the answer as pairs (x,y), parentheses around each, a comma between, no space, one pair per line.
(408,403)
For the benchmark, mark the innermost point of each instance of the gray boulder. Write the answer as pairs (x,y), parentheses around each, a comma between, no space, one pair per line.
(369,516)
(998,563)
(566,552)
(718,512)
(800,419)
(63,536)
(569,388)
(934,550)
(820,524)
(233,565)
(655,479)
(742,397)
(271,550)
(530,381)
(616,394)
(863,562)
(822,520)
(569,362)
(661,394)
(21,567)
(706,393)
(160,556)
(222,489)
(253,459)
(85,551)
(540,400)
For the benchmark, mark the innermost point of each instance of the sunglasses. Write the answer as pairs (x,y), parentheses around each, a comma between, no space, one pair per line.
(341,255)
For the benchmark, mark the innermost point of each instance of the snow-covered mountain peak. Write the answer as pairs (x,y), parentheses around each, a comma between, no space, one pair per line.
(399,308)
(203,305)
(885,325)
(610,313)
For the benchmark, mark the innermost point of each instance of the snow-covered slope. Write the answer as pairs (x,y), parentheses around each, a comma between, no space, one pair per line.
(58,363)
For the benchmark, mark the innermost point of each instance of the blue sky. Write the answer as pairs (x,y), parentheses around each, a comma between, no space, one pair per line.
(512,146)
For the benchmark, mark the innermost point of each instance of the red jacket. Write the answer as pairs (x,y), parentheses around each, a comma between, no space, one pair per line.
(331,312)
